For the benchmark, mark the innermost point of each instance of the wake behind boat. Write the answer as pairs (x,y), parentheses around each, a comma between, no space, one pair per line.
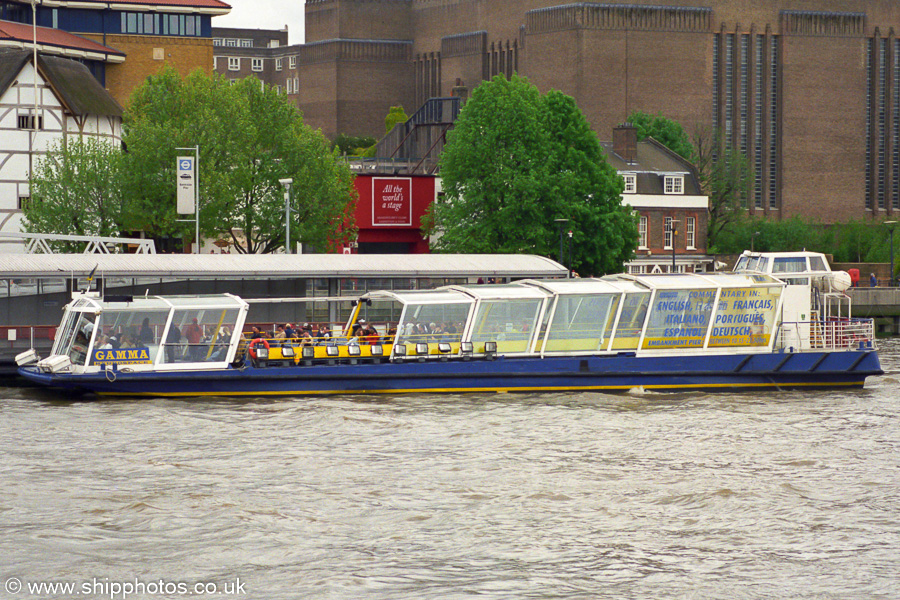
(671,332)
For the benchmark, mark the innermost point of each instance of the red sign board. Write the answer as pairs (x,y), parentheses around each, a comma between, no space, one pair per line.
(391,201)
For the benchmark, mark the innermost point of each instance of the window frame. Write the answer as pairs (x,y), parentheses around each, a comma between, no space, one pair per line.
(256,65)
(673,184)
(630,183)
(690,233)
(643,222)
(234,63)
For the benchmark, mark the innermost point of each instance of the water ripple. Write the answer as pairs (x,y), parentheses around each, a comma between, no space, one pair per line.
(497,496)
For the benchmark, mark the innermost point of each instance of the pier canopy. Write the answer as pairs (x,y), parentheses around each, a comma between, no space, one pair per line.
(33,287)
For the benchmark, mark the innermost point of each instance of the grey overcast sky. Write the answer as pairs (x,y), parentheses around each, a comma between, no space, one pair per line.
(265,14)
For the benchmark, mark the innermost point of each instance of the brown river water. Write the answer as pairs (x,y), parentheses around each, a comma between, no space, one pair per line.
(770,495)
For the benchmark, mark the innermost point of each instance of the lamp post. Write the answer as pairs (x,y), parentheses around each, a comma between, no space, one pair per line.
(560,223)
(890,225)
(569,269)
(287,213)
(752,239)
(674,232)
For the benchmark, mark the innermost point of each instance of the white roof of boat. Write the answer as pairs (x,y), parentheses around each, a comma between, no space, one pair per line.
(681,281)
(512,291)
(278,265)
(610,285)
(438,296)
(225,301)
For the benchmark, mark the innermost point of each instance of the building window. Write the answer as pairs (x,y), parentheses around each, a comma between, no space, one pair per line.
(24,201)
(231,43)
(257,64)
(674,184)
(277,64)
(234,63)
(293,62)
(690,238)
(630,183)
(218,42)
(289,86)
(26,121)
(246,43)
(668,233)
(642,232)
(296,85)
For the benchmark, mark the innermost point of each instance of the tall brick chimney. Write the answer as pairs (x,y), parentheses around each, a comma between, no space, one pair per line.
(625,141)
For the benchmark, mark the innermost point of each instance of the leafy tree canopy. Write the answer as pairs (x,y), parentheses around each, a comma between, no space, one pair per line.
(665,131)
(516,162)
(75,190)
(249,137)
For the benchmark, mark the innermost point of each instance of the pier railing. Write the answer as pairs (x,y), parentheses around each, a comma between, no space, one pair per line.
(832,334)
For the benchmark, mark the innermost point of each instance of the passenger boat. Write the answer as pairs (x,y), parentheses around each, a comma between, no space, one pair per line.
(748,329)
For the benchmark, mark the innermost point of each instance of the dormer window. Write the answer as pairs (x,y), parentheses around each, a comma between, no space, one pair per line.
(630,183)
(674,184)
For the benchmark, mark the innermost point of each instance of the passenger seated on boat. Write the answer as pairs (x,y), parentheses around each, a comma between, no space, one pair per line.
(323,336)
(222,341)
(279,333)
(306,338)
(391,334)
(369,335)
(289,332)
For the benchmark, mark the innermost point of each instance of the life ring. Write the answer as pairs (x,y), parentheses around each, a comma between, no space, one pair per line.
(251,349)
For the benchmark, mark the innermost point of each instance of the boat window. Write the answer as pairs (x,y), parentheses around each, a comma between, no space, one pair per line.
(631,321)
(745,317)
(796,280)
(76,337)
(679,319)
(582,322)
(789,264)
(199,335)
(817,263)
(741,263)
(432,323)
(134,328)
(763,264)
(508,322)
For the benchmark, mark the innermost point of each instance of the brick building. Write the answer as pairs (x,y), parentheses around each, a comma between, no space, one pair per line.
(139,36)
(664,189)
(810,94)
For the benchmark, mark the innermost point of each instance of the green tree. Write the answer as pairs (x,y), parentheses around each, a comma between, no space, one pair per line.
(514,163)
(667,132)
(395,116)
(75,190)
(249,137)
(726,178)
(348,145)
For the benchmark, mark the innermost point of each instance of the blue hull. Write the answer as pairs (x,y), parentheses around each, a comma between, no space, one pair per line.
(608,373)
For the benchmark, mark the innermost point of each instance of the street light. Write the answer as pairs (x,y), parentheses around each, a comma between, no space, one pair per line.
(752,239)
(890,225)
(287,213)
(674,232)
(560,223)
